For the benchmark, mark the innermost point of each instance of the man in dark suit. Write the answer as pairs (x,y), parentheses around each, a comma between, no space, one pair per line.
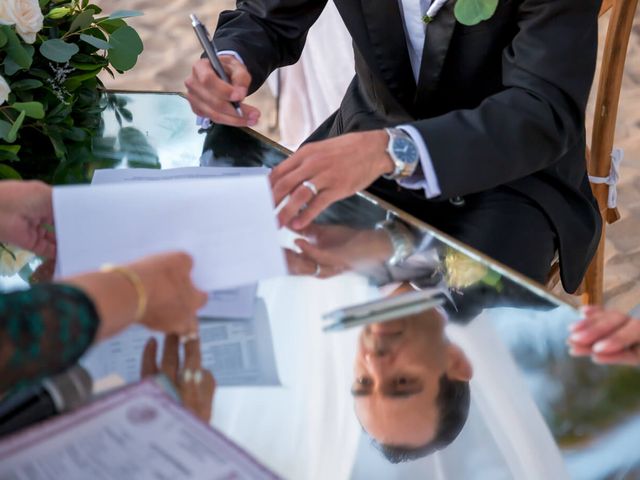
(478,130)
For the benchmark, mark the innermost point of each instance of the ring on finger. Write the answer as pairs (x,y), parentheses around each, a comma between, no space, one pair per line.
(194,376)
(311,186)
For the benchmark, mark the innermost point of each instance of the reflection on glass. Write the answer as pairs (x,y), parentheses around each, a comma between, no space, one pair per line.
(411,385)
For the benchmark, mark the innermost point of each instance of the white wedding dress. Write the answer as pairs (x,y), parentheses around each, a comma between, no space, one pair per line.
(313,88)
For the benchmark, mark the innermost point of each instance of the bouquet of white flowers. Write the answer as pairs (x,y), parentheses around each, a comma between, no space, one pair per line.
(51,52)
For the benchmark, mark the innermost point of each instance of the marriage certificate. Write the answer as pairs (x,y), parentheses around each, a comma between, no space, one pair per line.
(138,433)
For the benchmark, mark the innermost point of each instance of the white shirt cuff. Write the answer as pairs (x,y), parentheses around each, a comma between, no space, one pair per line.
(233,53)
(205,122)
(425,177)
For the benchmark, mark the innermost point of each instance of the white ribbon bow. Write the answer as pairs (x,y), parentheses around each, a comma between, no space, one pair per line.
(612,180)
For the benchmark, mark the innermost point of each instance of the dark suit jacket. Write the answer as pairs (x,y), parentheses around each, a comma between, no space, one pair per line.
(498,103)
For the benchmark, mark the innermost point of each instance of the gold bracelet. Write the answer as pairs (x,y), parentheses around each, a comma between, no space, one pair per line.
(134,278)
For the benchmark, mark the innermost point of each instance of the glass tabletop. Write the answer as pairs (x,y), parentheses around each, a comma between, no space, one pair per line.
(459,368)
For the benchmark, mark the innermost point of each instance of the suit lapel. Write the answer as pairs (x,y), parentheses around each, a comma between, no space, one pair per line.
(436,45)
(386,35)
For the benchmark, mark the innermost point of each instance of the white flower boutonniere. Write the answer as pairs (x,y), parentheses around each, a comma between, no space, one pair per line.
(467,12)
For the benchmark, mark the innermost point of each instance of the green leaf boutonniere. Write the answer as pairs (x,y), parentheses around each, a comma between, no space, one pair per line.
(467,12)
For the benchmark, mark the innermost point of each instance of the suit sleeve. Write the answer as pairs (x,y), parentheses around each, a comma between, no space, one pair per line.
(267,34)
(538,117)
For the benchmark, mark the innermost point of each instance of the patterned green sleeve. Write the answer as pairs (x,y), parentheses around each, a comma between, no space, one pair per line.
(43,331)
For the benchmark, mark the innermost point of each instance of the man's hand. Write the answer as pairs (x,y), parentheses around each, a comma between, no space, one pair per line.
(338,167)
(607,336)
(26,216)
(211,97)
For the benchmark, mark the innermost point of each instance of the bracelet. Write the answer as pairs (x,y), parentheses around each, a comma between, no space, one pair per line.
(134,278)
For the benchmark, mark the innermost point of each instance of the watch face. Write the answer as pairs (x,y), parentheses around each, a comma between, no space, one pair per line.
(405,150)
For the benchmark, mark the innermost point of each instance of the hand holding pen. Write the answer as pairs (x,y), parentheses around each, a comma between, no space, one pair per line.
(217,84)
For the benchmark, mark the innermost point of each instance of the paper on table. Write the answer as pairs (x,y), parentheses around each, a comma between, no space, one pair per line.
(237,352)
(227,224)
(232,303)
(113,175)
(138,432)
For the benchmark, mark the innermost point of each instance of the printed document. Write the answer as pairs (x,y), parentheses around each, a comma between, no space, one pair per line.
(137,433)
(237,352)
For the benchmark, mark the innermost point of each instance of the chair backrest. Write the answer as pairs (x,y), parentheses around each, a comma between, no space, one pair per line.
(608,96)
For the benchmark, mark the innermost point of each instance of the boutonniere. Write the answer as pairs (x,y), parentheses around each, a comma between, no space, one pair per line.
(467,12)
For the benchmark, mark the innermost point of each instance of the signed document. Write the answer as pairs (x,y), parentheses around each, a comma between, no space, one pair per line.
(138,433)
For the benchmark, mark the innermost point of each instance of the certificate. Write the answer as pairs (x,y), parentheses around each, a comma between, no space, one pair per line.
(137,433)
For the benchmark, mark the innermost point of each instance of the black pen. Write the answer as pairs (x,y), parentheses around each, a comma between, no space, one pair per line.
(212,53)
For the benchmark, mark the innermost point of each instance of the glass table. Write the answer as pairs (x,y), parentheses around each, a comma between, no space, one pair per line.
(474,383)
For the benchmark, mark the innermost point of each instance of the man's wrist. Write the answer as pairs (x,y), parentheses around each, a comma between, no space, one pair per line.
(386,165)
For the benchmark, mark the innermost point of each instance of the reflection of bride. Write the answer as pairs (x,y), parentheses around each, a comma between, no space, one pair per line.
(312,89)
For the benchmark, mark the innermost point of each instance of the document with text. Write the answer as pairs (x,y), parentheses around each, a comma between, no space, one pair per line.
(137,433)
(237,352)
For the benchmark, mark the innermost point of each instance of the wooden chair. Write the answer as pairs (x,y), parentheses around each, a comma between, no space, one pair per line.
(604,124)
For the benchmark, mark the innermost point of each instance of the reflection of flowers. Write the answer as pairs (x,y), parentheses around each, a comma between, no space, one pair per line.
(13,259)
(462,271)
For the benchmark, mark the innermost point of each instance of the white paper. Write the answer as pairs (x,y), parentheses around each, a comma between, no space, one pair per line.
(136,434)
(233,303)
(237,352)
(116,175)
(227,224)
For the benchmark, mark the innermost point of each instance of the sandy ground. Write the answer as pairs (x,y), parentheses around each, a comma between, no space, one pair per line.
(171,47)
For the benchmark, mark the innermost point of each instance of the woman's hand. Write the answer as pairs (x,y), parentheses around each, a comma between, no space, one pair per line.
(173,300)
(607,336)
(195,385)
(26,216)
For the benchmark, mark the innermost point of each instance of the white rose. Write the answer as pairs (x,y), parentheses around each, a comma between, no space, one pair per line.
(25,14)
(13,259)
(5,90)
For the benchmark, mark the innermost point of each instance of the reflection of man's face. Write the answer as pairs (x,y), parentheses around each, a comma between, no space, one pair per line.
(397,371)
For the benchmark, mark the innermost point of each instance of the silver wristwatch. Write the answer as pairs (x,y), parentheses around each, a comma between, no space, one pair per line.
(404,153)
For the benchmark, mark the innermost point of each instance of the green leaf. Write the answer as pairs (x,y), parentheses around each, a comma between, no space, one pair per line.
(3,39)
(82,21)
(5,128)
(22,55)
(8,173)
(27,84)
(58,50)
(88,66)
(31,109)
(9,152)
(472,12)
(59,12)
(125,14)
(126,47)
(111,25)
(13,133)
(95,42)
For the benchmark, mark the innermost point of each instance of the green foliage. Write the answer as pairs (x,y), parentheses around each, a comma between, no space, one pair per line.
(54,107)
(472,12)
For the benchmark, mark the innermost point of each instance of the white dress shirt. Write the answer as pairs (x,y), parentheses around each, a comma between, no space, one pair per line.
(415,31)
